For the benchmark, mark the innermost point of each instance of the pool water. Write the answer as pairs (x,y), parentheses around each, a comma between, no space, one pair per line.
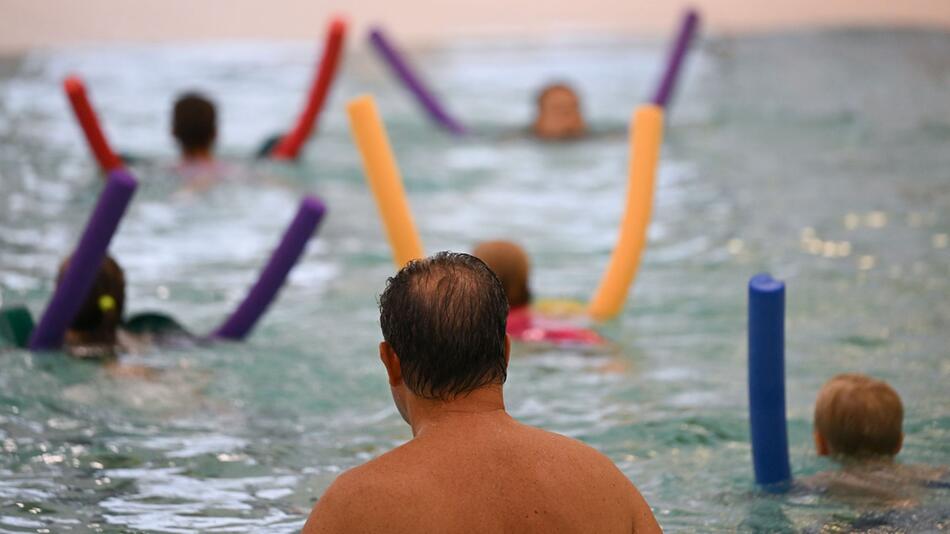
(821,157)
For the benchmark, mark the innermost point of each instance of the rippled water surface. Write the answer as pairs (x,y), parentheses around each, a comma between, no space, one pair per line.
(821,157)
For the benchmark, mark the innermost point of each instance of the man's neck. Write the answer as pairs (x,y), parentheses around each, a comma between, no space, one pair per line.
(99,343)
(860,463)
(99,336)
(198,155)
(428,416)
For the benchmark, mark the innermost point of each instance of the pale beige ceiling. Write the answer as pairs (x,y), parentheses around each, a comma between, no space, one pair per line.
(42,23)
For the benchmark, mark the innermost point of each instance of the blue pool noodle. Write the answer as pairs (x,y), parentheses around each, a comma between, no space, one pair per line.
(767,381)
(84,264)
(272,278)
(404,72)
(675,60)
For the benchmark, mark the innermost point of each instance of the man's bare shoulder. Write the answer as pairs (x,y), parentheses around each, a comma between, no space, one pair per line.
(362,496)
(574,450)
(597,467)
(414,464)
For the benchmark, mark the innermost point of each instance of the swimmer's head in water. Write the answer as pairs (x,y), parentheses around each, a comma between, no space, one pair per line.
(856,415)
(444,318)
(194,125)
(558,113)
(101,311)
(510,264)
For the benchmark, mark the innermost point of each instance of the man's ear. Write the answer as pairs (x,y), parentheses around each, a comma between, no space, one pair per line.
(900,445)
(507,350)
(821,444)
(391,361)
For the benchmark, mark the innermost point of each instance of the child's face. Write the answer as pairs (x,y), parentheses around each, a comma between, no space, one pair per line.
(559,115)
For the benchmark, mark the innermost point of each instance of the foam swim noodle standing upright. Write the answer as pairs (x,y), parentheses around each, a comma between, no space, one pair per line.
(674,62)
(84,264)
(290,145)
(89,122)
(382,173)
(645,139)
(275,273)
(767,423)
(413,82)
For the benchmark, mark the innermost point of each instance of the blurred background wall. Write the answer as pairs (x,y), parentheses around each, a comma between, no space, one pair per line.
(27,24)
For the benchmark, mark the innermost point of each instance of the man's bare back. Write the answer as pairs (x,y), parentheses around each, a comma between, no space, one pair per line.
(484,472)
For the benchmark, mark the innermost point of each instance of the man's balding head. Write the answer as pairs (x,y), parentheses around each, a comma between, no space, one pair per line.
(444,317)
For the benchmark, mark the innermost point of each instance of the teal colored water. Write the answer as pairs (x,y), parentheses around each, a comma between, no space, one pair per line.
(823,158)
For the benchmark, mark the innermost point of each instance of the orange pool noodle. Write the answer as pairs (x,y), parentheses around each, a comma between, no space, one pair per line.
(384,179)
(645,140)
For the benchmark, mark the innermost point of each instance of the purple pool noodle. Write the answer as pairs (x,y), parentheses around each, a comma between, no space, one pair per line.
(85,262)
(272,278)
(404,72)
(675,60)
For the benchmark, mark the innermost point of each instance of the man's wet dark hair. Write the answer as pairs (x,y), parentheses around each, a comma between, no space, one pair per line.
(445,316)
(105,303)
(194,122)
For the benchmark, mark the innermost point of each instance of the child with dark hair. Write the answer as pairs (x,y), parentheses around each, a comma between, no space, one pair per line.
(194,126)
(94,330)
(99,329)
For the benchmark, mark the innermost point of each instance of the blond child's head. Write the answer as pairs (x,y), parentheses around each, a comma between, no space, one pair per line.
(510,264)
(858,416)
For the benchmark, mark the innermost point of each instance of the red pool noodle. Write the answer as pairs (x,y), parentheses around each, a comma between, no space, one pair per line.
(289,147)
(76,91)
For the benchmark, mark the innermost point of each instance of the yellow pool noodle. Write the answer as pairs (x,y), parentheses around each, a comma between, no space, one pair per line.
(384,179)
(559,307)
(645,140)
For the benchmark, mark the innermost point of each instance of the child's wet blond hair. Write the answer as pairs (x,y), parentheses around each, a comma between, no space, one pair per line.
(859,416)
(510,264)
